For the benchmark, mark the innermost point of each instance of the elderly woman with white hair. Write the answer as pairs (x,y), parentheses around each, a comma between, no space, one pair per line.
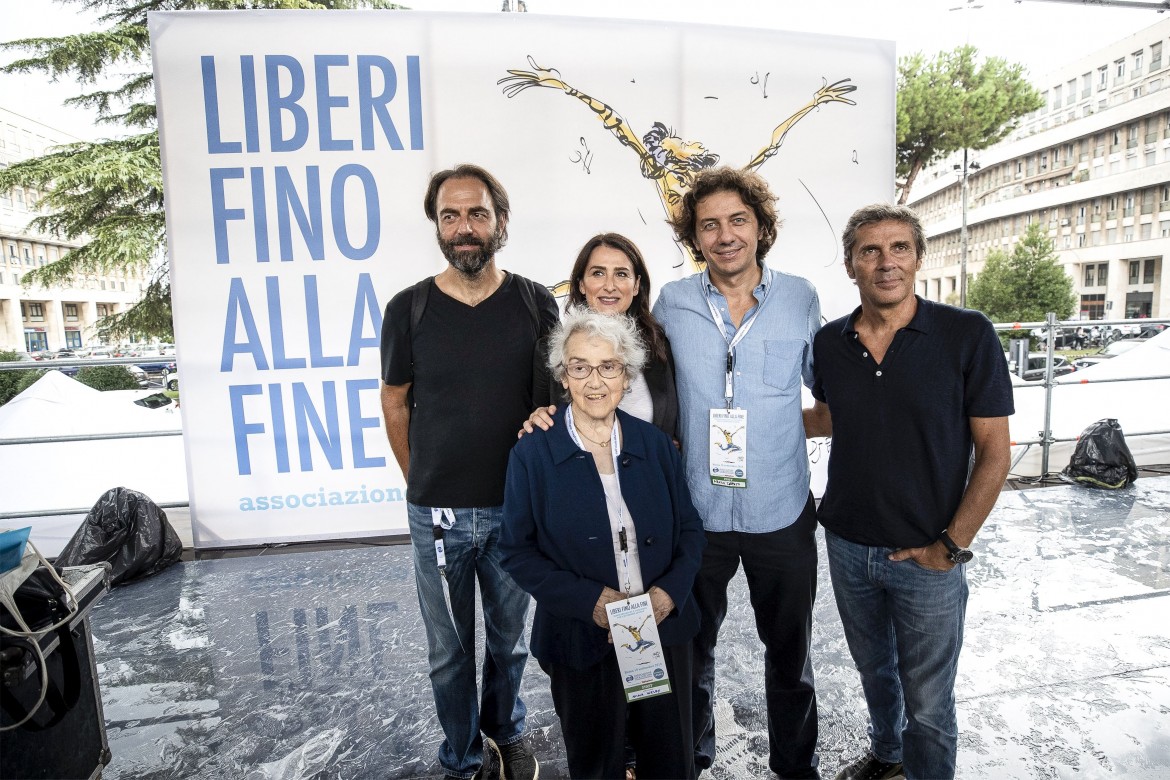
(596,510)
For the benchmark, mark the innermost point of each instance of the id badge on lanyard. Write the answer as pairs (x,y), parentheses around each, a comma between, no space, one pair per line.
(638,647)
(728,456)
(727,459)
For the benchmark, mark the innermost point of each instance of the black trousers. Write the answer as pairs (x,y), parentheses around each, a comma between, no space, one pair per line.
(781,572)
(596,721)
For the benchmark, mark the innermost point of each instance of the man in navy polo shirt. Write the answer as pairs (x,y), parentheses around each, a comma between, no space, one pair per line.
(916,395)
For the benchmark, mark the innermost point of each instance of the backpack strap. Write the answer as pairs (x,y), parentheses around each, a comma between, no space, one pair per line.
(418,301)
(422,290)
(528,293)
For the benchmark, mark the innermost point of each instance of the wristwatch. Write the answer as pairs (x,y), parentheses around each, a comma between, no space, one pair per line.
(956,554)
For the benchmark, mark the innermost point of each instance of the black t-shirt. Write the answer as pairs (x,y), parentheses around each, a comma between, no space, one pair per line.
(902,444)
(470,370)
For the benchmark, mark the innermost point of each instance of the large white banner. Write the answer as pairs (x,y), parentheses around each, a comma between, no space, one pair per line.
(296,149)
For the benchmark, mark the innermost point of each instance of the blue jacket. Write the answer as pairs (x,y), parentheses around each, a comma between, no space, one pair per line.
(556,540)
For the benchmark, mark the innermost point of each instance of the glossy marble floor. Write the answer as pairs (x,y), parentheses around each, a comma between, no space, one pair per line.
(313,664)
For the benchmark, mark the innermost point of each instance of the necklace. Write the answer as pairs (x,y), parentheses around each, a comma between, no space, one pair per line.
(594,441)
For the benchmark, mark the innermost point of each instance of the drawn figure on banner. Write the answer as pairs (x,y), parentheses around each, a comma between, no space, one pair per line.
(585,159)
(819,448)
(640,644)
(764,87)
(730,446)
(666,158)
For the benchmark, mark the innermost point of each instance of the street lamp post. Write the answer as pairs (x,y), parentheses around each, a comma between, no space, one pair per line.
(974,166)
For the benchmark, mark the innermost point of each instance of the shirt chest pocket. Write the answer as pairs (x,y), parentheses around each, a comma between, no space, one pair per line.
(783,359)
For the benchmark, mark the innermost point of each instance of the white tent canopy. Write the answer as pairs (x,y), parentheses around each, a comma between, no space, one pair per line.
(1140,406)
(73,475)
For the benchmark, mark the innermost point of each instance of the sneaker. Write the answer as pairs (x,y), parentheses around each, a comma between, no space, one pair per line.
(870,767)
(491,767)
(519,763)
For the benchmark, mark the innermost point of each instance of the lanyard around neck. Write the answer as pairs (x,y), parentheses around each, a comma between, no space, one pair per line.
(615,447)
(615,450)
(738,336)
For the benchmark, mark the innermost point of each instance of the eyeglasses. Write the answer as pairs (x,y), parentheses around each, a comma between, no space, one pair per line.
(608,370)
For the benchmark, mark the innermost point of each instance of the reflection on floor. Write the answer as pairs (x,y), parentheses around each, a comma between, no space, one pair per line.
(314,664)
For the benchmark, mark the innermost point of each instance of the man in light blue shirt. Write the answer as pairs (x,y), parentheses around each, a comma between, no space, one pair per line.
(743,336)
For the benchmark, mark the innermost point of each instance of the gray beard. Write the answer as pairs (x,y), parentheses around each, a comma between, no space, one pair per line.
(472,262)
(469,264)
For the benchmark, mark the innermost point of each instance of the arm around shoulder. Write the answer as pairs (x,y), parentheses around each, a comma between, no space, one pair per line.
(542,381)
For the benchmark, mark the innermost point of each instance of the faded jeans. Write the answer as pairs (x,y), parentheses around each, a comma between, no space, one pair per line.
(904,626)
(472,553)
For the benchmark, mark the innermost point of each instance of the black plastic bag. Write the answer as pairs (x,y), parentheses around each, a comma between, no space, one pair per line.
(1102,458)
(128,530)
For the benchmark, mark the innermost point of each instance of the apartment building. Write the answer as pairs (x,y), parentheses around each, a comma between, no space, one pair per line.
(1092,165)
(32,317)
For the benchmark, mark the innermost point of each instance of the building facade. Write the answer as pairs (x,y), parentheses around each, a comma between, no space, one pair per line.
(1092,166)
(33,318)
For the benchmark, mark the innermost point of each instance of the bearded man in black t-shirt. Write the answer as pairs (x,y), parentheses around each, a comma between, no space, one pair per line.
(457,370)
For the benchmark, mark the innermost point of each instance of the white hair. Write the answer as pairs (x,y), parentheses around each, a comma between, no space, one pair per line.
(618,330)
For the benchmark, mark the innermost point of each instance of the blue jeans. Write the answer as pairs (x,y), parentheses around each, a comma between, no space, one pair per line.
(472,552)
(904,626)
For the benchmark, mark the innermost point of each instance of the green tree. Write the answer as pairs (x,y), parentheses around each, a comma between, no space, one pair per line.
(107,378)
(8,379)
(954,102)
(13,383)
(1025,285)
(108,194)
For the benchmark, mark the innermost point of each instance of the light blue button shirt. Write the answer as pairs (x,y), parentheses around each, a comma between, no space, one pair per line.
(770,363)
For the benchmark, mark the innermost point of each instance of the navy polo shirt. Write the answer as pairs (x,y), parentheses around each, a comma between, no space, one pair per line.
(901,450)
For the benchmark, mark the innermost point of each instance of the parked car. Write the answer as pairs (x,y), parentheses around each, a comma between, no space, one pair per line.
(1110,351)
(1121,347)
(1127,331)
(139,375)
(159,368)
(1065,338)
(1149,331)
(1038,362)
(1088,360)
